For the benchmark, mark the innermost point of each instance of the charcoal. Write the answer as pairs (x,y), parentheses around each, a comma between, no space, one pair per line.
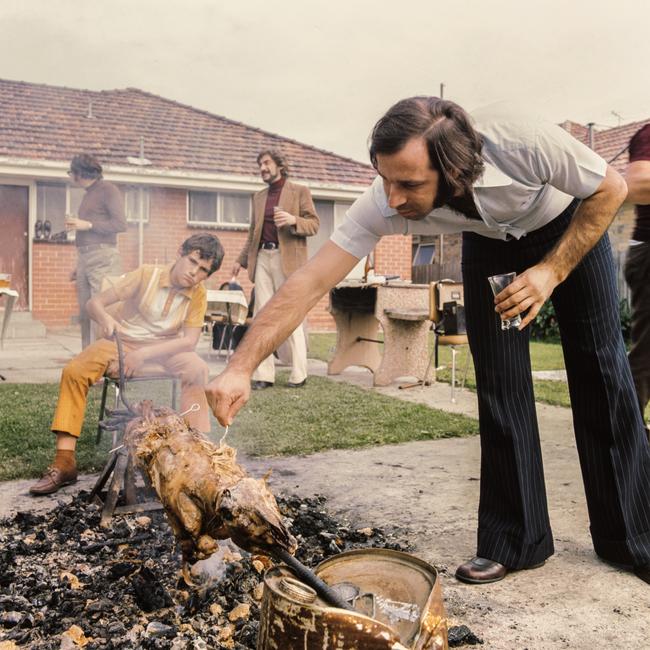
(130,591)
(459,635)
(150,593)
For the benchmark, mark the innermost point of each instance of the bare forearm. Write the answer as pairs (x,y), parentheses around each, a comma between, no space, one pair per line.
(280,316)
(95,309)
(589,223)
(638,182)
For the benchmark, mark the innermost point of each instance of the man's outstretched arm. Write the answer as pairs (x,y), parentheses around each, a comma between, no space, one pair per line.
(230,390)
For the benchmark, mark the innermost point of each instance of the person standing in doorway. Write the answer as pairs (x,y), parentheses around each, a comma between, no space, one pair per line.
(283,217)
(101,217)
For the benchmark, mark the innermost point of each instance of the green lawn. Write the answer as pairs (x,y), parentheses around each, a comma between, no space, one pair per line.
(544,356)
(26,442)
(322,415)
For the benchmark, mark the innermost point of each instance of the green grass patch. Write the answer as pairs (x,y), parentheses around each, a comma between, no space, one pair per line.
(543,356)
(330,415)
(26,442)
(322,415)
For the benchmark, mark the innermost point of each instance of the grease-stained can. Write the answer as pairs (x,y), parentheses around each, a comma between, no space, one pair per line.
(397,602)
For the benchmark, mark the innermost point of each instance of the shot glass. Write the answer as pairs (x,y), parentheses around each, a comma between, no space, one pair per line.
(498,283)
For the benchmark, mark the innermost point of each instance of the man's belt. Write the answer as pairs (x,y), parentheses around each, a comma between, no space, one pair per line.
(269,245)
(93,247)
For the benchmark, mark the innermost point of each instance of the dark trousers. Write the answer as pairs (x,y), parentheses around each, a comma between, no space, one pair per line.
(614,454)
(637,275)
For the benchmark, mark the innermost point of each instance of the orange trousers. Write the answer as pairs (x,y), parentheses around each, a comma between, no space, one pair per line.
(89,366)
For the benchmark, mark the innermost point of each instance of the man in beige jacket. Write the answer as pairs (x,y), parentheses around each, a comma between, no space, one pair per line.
(283,217)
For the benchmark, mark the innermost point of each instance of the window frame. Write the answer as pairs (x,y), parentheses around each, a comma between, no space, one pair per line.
(422,246)
(125,189)
(218,223)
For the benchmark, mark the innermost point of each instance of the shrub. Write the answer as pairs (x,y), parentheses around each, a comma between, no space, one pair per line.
(545,327)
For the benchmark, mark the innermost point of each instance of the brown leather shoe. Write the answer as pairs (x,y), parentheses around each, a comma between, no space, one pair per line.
(479,571)
(53,479)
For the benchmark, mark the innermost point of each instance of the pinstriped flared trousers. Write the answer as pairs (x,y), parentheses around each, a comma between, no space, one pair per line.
(513,526)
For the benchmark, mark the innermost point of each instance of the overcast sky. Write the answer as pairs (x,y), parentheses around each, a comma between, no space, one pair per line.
(323,71)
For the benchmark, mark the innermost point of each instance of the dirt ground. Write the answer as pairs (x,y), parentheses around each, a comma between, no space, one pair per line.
(430,490)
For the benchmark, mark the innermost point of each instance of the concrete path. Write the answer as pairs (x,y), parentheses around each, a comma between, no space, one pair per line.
(430,490)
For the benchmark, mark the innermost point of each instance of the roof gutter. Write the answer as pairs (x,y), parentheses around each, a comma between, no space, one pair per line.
(157,177)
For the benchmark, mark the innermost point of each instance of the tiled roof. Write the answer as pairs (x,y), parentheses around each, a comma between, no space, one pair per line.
(611,144)
(41,122)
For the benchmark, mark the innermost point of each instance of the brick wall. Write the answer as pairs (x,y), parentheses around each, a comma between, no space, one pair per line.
(393,256)
(54,296)
(55,302)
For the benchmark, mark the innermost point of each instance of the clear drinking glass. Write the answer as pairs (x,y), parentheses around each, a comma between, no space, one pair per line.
(498,284)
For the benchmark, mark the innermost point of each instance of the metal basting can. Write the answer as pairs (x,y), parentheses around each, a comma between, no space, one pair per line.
(397,602)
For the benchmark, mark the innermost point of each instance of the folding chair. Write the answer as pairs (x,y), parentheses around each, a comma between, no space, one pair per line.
(441,293)
(149,372)
(227,309)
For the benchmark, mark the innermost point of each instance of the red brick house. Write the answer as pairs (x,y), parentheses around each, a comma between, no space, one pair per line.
(200,173)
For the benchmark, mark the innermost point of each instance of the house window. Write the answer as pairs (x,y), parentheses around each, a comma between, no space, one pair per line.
(424,254)
(219,208)
(331,215)
(132,197)
(51,201)
(55,200)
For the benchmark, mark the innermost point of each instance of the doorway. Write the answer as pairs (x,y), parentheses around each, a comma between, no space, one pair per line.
(14,220)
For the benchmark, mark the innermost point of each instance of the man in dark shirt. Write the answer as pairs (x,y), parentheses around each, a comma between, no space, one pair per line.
(283,217)
(101,217)
(637,265)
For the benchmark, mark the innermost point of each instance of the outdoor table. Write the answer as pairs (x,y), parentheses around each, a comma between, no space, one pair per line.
(12,296)
(402,310)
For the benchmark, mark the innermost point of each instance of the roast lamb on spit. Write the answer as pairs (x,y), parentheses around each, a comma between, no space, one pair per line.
(206,494)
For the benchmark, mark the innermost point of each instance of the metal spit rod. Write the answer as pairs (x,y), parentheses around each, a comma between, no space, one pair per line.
(329,595)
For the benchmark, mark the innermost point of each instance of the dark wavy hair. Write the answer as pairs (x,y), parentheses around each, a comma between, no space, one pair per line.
(209,248)
(278,158)
(86,166)
(453,144)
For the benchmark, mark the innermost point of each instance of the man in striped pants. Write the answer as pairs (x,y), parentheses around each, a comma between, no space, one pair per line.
(528,198)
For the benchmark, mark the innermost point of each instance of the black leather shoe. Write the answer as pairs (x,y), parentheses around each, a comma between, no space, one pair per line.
(643,572)
(261,385)
(300,384)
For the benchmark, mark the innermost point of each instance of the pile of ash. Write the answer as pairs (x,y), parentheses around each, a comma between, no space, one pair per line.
(66,583)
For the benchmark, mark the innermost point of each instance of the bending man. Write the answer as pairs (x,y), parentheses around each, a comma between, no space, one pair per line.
(529,198)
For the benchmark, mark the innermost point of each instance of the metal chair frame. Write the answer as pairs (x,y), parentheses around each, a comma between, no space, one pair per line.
(452,340)
(108,381)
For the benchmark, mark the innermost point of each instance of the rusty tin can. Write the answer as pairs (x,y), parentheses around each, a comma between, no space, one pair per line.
(396,597)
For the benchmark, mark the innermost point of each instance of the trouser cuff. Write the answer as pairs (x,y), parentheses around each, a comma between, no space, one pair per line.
(513,552)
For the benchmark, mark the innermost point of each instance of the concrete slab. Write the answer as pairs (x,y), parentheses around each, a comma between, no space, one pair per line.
(430,489)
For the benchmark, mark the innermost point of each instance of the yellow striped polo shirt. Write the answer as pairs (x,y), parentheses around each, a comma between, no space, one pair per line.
(155,310)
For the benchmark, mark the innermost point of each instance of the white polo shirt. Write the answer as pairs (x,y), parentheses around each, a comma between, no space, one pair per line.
(533,170)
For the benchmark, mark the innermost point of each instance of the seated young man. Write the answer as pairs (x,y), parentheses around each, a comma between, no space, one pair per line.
(160,322)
